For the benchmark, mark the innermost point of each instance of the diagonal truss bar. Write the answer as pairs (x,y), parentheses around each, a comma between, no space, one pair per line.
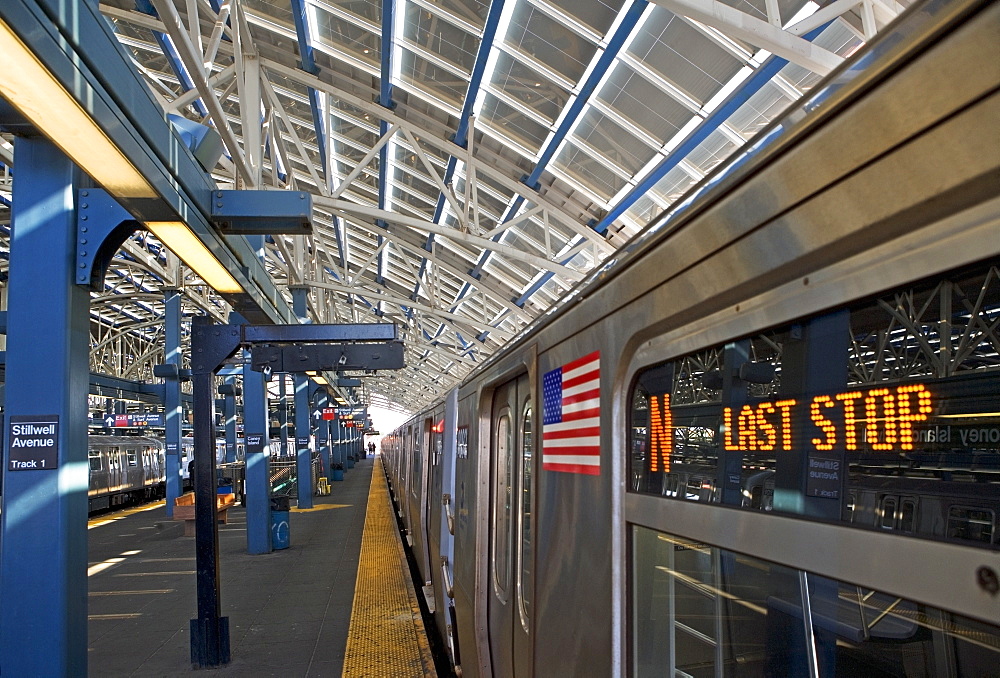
(756,31)
(175,29)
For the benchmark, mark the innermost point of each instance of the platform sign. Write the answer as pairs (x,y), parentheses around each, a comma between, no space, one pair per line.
(34,442)
(329,413)
(255,443)
(824,476)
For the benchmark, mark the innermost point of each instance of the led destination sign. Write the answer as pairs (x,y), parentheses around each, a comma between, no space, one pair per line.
(881,419)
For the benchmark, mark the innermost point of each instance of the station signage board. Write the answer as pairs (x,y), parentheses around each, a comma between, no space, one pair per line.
(33,442)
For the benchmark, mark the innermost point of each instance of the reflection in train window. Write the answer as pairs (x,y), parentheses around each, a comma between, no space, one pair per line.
(887,513)
(95,460)
(908,514)
(525,527)
(973,524)
(502,505)
(133,458)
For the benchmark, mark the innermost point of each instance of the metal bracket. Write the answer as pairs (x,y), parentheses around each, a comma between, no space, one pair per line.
(317,357)
(102,225)
(262,212)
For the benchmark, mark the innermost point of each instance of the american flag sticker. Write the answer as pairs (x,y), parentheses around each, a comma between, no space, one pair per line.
(571,417)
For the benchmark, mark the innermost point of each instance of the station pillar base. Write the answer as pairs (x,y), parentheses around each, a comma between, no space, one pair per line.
(209,642)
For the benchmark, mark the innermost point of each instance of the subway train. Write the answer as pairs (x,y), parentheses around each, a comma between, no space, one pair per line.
(132,469)
(764,438)
(125,470)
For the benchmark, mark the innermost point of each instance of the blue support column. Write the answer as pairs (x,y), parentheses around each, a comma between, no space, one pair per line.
(43,560)
(258,485)
(323,436)
(283,414)
(303,456)
(229,419)
(173,411)
(341,432)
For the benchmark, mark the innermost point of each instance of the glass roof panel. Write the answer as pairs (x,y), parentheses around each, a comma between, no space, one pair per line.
(444,39)
(536,91)
(644,104)
(596,15)
(666,44)
(370,11)
(340,34)
(472,11)
(589,170)
(549,42)
(508,121)
(429,77)
(603,134)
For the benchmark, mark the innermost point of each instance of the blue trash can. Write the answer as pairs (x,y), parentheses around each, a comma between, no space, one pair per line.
(337,473)
(280,532)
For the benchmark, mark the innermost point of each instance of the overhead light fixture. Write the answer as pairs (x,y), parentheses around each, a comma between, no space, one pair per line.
(320,380)
(182,241)
(39,97)
(31,89)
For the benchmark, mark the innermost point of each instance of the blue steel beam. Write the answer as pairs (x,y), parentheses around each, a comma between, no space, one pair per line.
(385,100)
(461,133)
(604,63)
(308,62)
(171,55)
(710,124)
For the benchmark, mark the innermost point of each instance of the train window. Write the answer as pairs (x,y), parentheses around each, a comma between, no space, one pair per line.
(132,457)
(502,504)
(893,395)
(972,524)
(95,460)
(887,513)
(525,554)
(908,515)
(417,478)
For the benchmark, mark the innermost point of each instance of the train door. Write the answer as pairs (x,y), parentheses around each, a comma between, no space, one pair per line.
(897,512)
(511,553)
(115,469)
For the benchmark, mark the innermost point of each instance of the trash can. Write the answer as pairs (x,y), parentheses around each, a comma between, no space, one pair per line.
(280,536)
(337,472)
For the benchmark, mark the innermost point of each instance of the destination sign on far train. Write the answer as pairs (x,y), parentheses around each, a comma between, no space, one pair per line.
(880,419)
(34,443)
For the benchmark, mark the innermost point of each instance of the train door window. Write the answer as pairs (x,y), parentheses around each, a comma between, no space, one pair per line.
(95,460)
(132,458)
(417,466)
(502,505)
(849,508)
(525,553)
(971,524)
(887,513)
(908,514)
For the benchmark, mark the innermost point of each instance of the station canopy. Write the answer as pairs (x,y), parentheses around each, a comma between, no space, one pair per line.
(469,161)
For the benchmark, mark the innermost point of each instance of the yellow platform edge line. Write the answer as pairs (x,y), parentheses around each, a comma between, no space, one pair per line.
(386,636)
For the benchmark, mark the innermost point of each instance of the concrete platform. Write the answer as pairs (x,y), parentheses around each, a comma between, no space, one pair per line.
(289,611)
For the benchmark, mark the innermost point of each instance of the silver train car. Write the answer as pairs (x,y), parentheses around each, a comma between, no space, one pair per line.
(764,439)
(125,470)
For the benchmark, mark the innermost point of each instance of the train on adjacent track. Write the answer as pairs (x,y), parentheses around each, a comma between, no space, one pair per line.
(763,439)
(129,469)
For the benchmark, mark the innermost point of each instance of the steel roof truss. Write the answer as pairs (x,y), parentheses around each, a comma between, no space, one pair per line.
(758,32)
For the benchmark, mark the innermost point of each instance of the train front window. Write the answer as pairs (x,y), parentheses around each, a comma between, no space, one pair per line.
(882,414)
(95,460)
